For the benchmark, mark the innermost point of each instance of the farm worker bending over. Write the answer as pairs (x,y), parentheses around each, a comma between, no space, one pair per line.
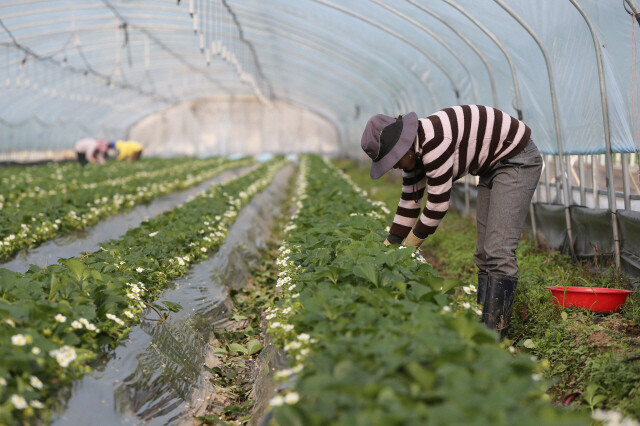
(89,150)
(434,152)
(127,149)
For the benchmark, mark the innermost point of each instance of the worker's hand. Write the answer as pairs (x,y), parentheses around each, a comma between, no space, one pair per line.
(412,240)
(387,242)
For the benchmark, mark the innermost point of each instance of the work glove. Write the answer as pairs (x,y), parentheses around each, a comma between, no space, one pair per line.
(412,240)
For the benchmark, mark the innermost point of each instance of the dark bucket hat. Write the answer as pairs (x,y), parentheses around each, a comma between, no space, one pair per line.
(386,140)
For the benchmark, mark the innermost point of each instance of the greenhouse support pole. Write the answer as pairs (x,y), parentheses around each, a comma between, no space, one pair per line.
(554,103)
(594,178)
(557,171)
(583,197)
(467,204)
(547,178)
(533,223)
(569,169)
(607,136)
(625,181)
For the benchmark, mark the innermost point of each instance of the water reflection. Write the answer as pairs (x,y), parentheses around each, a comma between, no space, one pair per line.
(156,376)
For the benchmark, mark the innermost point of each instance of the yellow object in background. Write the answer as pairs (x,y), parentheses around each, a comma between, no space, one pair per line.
(128,149)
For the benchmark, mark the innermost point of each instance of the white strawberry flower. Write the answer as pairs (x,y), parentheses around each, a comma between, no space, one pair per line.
(18,402)
(292,398)
(37,404)
(35,382)
(65,355)
(276,401)
(18,340)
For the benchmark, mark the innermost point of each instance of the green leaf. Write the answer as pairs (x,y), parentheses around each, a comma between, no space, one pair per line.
(450,284)
(236,347)
(425,378)
(254,346)
(529,344)
(420,290)
(394,256)
(564,316)
(95,274)
(213,370)
(55,286)
(401,285)
(367,271)
(173,307)
(158,307)
(239,317)
(75,266)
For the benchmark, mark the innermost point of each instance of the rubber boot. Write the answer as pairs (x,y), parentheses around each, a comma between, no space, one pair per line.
(482,288)
(496,311)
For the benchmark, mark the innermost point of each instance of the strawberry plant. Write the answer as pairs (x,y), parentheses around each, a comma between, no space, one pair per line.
(28,221)
(371,333)
(55,320)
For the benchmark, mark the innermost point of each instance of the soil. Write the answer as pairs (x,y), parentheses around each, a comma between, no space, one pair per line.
(599,339)
(434,260)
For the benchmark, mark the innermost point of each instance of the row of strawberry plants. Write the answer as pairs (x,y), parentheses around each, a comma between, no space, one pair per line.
(373,334)
(57,178)
(56,319)
(34,221)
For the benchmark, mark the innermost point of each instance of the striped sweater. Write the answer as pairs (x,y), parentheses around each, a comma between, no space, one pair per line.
(453,142)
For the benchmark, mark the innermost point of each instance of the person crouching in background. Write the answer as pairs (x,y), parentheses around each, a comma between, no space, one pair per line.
(89,150)
(131,150)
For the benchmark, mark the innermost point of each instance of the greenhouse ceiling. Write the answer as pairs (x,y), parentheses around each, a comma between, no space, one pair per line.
(72,68)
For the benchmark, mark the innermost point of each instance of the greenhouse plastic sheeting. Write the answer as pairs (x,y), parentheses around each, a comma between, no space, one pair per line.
(592,229)
(74,68)
(457,197)
(630,228)
(629,224)
(552,231)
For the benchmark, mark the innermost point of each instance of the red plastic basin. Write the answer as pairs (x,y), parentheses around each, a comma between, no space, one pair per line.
(597,299)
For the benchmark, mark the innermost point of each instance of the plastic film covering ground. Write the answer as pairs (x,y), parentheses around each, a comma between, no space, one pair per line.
(306,75)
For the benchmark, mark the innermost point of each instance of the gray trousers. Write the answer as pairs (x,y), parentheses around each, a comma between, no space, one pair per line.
(504,195)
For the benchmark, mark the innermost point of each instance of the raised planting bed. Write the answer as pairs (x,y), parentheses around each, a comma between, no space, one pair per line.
(373,334)
(43,215)
(584,350)
(56,320)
